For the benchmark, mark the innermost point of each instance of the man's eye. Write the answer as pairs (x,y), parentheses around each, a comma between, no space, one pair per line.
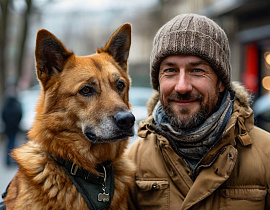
(170,70)
(197,71)
(87,91)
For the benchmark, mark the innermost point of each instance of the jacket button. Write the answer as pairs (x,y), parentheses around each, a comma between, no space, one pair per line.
(155,186)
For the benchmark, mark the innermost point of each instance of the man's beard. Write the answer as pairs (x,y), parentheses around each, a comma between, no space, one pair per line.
(197,118)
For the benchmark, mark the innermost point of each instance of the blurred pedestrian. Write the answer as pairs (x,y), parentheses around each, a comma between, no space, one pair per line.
(11,115)
(199,148)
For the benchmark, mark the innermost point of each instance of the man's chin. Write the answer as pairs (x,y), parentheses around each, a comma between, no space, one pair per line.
(184,118)
(184,112)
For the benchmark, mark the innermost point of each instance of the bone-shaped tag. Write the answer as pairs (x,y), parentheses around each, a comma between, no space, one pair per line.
(105,197)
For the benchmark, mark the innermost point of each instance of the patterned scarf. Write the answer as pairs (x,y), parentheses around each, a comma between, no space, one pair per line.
(193,144)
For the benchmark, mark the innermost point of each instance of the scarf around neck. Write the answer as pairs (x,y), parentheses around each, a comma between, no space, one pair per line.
(193,144)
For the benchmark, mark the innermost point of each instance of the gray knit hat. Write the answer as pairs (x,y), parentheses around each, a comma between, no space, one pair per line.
(192,34)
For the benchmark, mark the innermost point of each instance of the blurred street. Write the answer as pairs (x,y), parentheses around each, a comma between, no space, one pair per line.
(84,25)
(7,173)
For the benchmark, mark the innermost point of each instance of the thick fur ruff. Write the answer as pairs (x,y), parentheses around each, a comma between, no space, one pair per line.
(76,121)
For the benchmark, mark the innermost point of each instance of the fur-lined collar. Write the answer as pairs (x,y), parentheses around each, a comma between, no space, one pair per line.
(241,94)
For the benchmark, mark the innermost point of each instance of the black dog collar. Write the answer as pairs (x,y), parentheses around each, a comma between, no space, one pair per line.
(97,190)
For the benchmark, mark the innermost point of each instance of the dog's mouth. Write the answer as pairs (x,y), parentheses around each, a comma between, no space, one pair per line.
(91,136)
(111,129)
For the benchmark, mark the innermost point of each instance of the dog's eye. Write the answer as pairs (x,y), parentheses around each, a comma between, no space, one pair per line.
(87,91)
(121,86)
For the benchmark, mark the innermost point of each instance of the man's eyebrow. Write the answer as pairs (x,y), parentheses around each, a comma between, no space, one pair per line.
(200,62)
(168,63)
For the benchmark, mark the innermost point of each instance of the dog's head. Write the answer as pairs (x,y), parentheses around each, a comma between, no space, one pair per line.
(84,96)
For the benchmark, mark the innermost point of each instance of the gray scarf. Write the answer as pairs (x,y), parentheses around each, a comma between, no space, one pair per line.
(193,144)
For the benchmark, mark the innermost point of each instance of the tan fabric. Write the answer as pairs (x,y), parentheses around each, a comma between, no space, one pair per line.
(235,174)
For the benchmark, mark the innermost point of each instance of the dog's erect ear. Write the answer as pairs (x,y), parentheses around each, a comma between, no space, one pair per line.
(119,44)
(50,54)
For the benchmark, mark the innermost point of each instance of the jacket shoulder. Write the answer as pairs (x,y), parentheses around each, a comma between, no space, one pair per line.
(141,146)
(261,140)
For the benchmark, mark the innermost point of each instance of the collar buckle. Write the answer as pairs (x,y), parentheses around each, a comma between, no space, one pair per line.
(73,169)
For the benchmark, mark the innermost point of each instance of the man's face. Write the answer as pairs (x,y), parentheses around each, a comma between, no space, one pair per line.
(189,90)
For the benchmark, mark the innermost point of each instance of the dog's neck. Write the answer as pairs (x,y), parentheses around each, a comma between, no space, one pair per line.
(96,189)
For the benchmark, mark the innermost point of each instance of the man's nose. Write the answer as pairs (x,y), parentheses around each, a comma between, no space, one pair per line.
(183,84)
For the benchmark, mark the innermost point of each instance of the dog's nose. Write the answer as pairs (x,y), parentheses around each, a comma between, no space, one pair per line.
(124,120)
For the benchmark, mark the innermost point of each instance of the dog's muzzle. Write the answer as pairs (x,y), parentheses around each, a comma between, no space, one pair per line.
(115,128)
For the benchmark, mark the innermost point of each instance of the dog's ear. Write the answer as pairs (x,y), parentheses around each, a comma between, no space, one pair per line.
(119,44)
(50,54)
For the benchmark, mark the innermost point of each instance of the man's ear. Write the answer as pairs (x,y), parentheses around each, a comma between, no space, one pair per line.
(50,54)
(221,86)
(119,44)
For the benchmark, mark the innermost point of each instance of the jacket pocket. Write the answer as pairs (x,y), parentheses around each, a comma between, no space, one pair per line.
(243,197)
(153,193)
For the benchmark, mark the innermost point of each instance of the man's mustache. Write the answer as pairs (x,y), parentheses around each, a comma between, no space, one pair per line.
(185,97)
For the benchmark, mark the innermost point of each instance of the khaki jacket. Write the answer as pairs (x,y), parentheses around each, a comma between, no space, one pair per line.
(234,174)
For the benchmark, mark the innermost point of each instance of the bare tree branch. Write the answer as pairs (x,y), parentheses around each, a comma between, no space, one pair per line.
(22,40)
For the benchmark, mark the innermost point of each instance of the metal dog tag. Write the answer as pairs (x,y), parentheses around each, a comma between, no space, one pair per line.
(105,197)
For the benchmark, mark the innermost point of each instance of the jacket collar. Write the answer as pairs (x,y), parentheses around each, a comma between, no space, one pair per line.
(212,177)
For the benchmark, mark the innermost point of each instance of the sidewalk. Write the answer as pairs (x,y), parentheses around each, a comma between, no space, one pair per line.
(7,173)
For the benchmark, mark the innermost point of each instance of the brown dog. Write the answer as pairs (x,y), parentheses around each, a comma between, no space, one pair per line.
(74,158)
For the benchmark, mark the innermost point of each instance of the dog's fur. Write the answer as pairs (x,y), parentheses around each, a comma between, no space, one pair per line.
(80,96)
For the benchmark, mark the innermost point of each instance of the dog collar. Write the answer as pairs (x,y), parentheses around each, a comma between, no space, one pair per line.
(97,190)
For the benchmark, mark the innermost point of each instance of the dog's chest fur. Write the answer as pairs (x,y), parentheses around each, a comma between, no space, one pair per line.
(47,186)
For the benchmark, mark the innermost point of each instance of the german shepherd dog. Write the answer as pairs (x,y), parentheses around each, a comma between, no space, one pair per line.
(74,158)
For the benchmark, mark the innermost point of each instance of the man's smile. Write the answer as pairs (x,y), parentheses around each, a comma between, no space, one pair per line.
(185,102)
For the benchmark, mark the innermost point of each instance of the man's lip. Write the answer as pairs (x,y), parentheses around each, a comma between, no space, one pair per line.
(185,102)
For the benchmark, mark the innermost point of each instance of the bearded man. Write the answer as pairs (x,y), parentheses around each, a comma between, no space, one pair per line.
(199,148)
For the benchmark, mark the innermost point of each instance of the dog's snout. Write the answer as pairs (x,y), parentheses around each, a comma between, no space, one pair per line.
(124,120)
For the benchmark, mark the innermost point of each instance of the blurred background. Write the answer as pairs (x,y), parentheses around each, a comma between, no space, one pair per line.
(84,25)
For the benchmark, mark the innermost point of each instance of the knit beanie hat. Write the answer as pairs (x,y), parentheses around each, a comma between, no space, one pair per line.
(192,34)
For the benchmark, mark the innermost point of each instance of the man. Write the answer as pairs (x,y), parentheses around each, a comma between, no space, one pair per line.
(199,148)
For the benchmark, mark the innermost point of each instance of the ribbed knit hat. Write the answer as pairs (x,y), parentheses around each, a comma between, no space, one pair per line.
(192,34)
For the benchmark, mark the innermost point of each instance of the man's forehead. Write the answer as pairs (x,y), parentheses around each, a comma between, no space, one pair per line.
(186,59)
